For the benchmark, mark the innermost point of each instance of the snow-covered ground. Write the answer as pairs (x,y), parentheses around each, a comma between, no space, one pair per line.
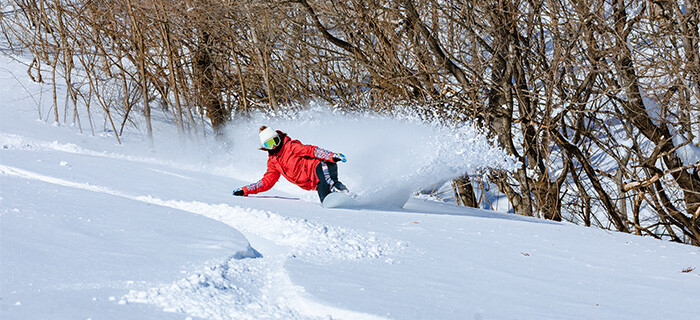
(90,229)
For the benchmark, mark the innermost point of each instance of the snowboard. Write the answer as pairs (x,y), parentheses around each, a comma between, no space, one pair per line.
(339,200)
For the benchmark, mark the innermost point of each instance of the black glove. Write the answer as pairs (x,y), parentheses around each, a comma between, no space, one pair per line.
(238,192)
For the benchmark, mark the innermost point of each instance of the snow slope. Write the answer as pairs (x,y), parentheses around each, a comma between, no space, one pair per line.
(92,229)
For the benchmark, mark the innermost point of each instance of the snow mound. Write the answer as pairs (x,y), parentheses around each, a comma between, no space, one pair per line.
(233,289)
(240,289)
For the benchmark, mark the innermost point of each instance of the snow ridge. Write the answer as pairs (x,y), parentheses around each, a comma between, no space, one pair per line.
(261,288)
(309,239)
(16,142)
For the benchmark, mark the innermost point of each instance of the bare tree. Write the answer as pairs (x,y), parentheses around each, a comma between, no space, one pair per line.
(596,99)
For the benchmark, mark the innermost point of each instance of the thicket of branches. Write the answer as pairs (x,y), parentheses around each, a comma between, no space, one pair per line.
(597,99)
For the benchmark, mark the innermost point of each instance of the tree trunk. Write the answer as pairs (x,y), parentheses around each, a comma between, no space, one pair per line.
(141,48)
(208,92)
(465,192)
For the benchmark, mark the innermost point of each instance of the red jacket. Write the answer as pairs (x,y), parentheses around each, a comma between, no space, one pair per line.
(295,161)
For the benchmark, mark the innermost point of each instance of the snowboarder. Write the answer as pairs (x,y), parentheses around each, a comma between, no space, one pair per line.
(309,167)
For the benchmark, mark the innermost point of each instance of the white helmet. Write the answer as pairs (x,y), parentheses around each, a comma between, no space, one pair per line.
(269,138)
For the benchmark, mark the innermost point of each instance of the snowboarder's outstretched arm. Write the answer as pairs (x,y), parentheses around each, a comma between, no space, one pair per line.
(316,152)
(326,155)
(268,180)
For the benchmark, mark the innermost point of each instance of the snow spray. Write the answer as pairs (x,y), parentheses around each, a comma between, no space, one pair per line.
(389,157)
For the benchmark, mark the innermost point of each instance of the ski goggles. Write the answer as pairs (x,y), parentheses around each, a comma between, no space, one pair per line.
(272,143)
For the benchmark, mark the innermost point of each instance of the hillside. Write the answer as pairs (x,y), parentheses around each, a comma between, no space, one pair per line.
(93,229)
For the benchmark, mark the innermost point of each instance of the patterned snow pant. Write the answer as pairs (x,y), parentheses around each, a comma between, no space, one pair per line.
(327,173)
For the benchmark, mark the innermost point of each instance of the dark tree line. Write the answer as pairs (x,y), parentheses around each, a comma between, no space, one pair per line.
(598,100)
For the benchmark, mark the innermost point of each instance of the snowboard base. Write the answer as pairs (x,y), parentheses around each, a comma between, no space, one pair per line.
(339,200)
